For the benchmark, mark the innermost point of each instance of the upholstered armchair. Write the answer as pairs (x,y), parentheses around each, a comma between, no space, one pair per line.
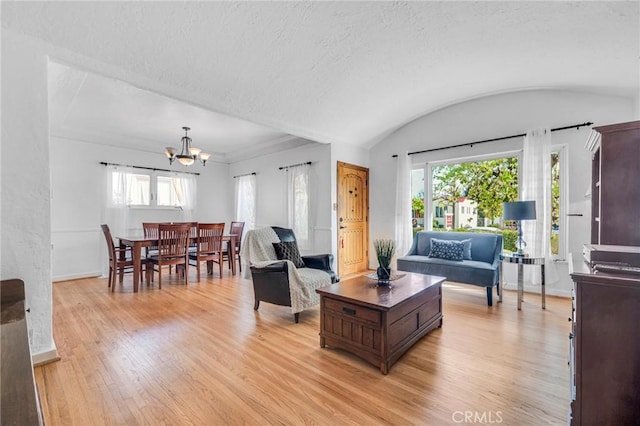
(280,275)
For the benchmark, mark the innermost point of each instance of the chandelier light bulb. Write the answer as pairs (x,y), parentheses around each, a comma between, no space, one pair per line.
(185,160)
(204,157)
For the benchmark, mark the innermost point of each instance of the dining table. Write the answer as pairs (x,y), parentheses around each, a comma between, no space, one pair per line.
(138,242)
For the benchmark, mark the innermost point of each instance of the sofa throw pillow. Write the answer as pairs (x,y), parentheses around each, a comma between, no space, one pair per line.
(289,251)
(446,249)
(466,253)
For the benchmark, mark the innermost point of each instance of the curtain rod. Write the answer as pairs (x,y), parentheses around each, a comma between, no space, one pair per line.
(148,168)
(294,165)
(470,144)
(246,174)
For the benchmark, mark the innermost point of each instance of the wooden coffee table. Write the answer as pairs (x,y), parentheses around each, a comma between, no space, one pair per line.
(379,324)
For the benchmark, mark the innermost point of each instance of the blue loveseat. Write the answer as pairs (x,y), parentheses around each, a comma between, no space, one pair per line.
(483,269)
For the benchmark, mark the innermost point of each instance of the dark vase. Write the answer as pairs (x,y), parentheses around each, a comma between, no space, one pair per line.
(383,275)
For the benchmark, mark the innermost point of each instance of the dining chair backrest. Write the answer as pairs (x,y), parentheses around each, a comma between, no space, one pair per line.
(236,229)
(109,239)
(120,260)
(173,239)
(150,230)
(193,230)
(210,237)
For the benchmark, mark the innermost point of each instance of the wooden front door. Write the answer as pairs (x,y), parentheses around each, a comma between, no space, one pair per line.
(353,219)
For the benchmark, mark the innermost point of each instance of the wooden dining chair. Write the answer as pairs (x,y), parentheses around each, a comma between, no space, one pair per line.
(150,230)
(209,247)
(235,229)
(120,259)
(173,242)
(193,234)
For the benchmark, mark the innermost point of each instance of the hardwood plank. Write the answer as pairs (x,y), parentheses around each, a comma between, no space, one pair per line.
(199,354)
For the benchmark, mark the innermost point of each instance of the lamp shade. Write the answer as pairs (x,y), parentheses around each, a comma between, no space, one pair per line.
(519,210)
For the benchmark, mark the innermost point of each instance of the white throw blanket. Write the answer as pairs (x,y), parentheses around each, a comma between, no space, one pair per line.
(258,251)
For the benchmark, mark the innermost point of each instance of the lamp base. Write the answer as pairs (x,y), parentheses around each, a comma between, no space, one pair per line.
(520,244)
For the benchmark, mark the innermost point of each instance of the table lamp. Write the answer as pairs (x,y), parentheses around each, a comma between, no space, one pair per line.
(519,211)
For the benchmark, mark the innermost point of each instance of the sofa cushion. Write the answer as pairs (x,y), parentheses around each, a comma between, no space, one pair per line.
(486,247)
(467,271)
(422,242)
(288,250)
(450,250)
(468,264)
(466,253)
(424,246)
(483,246)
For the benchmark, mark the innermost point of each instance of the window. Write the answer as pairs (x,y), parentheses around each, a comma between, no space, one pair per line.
(166,192)
(130,189)
(150,189)
(485,184)
(474,189)
(558,202)
(417,199)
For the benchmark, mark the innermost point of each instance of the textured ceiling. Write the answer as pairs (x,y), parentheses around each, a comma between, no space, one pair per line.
(86,106)
(346,72)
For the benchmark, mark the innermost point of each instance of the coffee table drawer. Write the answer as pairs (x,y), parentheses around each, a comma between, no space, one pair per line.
(353,311)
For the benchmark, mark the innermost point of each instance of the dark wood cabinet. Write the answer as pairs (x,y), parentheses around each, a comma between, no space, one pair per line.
(19,395)
(605,333)
(605,348)
(615,186)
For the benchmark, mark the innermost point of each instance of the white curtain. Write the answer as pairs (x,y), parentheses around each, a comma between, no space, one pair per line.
(298,204)
(185,186)
(536,185)
(403,230)
(246,201)
(118,187)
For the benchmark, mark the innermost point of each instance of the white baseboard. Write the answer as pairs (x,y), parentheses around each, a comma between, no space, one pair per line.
(77,276)
(45,357)
(551,291)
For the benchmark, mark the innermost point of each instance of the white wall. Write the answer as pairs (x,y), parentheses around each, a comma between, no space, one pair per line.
(271,208)
(26,221)
(78,193)
(272,191)
(497,116)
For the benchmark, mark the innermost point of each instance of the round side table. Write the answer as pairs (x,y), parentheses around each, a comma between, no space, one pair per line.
(520,261)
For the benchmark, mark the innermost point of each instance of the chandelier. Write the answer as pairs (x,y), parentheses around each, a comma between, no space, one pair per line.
(188,154)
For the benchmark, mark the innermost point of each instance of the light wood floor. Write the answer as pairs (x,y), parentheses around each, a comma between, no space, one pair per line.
(200,355)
